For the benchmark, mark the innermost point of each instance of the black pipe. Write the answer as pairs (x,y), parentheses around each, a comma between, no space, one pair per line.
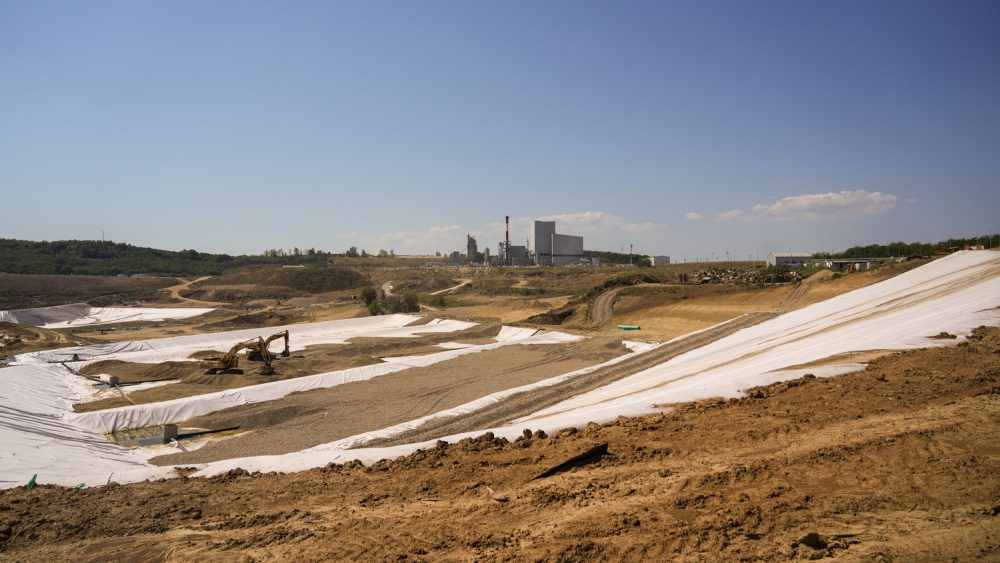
(203,432)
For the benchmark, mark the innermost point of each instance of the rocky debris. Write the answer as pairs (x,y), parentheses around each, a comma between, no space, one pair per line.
(944,336)
(733,276)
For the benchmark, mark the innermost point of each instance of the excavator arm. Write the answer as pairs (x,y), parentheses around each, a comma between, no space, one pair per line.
(229,361)
(283,334)
(257,353)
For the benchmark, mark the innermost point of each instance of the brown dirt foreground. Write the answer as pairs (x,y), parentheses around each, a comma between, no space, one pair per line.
(897,462)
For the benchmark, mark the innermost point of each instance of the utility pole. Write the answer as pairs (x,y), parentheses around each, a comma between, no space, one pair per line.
(630,254)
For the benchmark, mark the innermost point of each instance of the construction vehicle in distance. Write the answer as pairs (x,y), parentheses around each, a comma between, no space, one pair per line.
(256,353)
(229,363)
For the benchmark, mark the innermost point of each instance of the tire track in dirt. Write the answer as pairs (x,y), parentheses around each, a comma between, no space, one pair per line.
(602,311)
(454,288)
(792,300)
(523,404)
(175,292)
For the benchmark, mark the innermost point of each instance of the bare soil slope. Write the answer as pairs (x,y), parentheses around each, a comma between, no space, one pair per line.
(897,462)
(314,359)
(302,420)
(23,291)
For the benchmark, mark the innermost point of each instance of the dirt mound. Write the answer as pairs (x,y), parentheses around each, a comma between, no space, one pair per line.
(897,462)
(307,280)
(19,291)
(130,372)
(265,318)
(555,317)
(238,293)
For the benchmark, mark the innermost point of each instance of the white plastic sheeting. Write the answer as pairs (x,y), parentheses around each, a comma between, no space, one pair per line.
(953,294)
(37,438)
(37,432)
(139,416)
(41,435)
(80,314)
(300,335)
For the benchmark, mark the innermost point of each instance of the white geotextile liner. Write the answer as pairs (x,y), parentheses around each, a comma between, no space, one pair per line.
(953,294)
(37,438)
(177,348)
(36,399)
(151,414)
(81,314)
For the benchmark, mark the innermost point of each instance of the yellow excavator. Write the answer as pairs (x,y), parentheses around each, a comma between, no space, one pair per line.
(230,362)
(256,353)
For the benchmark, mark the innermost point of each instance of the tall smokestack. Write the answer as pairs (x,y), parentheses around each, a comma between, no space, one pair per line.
(506,239)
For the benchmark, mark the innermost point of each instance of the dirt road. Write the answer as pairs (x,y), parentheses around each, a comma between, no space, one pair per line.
(175,293)
(792,300)
(601,311)
(528,402)
(464,283)
(897,462)
(33,339)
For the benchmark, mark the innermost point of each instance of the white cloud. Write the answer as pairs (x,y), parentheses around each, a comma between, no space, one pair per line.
(729,215)
(596,221)
(693,216)
(831,205)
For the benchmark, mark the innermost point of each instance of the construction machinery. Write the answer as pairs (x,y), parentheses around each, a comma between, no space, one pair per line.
(256,353)
(229,363)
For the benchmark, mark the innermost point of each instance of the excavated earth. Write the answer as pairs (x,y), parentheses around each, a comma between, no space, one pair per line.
(897,462)
(303,420)
(320,358)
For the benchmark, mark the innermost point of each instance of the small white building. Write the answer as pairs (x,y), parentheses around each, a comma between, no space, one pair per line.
(659,260)
(791,259)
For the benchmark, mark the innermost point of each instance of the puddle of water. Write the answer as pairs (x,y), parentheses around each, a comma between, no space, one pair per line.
(139,437)
(153,436)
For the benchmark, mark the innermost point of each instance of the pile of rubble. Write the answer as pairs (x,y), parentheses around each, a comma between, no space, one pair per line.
(9,340)
(739,276)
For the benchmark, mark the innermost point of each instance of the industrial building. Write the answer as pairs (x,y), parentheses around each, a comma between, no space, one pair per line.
(791,259)
(471,248)
(552,249)
(659,260)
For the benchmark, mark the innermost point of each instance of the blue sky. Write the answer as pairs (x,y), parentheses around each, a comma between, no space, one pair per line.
(684,128)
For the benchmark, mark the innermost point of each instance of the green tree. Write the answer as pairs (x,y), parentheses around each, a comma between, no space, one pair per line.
(369,295)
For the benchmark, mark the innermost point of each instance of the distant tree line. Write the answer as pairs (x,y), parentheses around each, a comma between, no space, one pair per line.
(621,258)
(107,258)
(911,248)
